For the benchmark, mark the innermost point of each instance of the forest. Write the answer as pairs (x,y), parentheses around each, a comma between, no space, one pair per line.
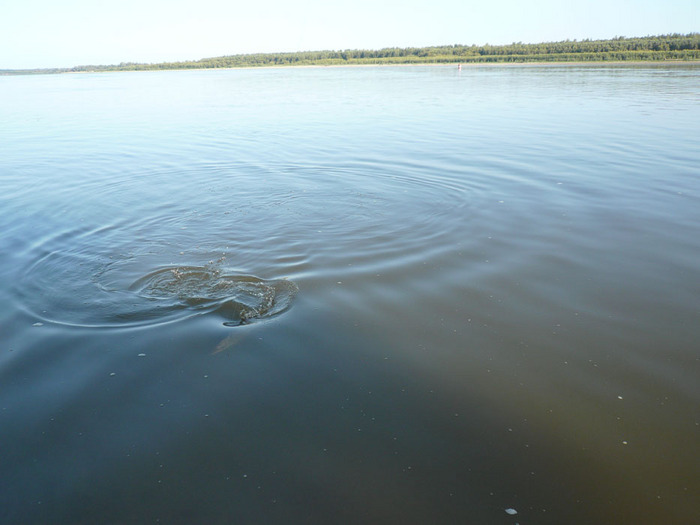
(674,47)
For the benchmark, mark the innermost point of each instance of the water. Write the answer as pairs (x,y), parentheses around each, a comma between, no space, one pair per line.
(351,295)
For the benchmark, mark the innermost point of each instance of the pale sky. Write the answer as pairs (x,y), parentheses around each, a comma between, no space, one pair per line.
(65,33)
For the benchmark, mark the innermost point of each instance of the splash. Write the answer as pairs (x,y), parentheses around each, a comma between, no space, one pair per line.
(240,299)
(79,288)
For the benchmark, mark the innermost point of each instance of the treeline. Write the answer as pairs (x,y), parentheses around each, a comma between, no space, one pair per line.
(666,47)
(663,47)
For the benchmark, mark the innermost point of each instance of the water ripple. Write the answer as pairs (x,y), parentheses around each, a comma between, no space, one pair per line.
(79,288)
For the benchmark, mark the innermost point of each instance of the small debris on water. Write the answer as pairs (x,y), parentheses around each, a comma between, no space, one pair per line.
(512,512)
(113,374)
(142,355)
(38,324)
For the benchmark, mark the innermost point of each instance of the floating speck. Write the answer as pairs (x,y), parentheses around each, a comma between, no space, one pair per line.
(38,324)
(113,374)
(142,355)
(619,397)
(512,512)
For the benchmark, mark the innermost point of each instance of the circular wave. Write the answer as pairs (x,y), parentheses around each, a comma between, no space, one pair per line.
(145,254)
(78,288)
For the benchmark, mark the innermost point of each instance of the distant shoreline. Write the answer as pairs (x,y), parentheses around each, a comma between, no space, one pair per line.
(591,63)
(660,50)
(455,65)
(465,65)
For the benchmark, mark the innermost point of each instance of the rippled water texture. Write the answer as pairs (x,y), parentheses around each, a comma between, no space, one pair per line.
(91,291)
(351,295)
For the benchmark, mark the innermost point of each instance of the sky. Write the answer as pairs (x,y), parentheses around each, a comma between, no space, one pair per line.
(66,33)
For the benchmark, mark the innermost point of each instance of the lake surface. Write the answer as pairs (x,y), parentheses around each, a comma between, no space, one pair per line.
(351,295)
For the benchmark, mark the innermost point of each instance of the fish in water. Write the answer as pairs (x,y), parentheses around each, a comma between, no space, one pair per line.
(240,299)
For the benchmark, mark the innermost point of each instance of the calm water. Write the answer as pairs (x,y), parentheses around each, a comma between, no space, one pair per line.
(366,295)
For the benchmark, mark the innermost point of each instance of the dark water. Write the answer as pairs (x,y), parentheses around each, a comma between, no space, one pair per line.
(368,295)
